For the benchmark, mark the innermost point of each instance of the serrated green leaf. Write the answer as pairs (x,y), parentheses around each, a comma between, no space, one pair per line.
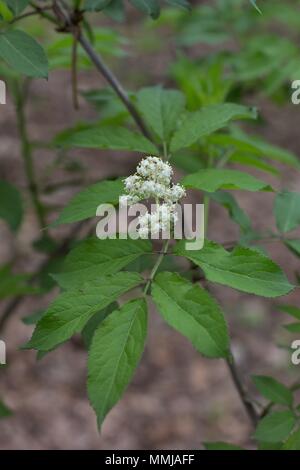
(275,427)
(293,327)
(84,204)
(115,10)
(287,211)
(269,445)
(206,121)
(94,258)
(13,284)
(293,245)
(253,161)
(150,7)
(213,179)
(291,310)
(273,390)
(23,53)
(235,212)
(115,351)
(96,5)
(5,13)
(70,312)
(244,143)
(243,269)
(33,318)
(91,326)
(253,2)
(193,312)
(161,109)
(293,442)
(11,208)
(106,137)
(17,6)
(184,4)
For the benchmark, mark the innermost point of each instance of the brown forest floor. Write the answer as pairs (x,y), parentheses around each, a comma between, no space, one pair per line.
(177,399)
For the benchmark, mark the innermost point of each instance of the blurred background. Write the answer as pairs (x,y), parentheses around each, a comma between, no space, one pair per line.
(221,50)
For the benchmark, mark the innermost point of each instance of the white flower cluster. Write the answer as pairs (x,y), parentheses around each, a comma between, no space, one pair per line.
(153,180)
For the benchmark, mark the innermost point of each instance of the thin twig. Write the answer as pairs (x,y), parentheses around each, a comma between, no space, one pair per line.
(248,405)
(37,11)
(115,84)
(74,71)
(156,266)
(43,13)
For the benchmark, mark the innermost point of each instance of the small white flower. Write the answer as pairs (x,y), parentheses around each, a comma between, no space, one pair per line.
(132,183)
(152,180)
(175,193)
(143,232)
(155,169)
(127,200)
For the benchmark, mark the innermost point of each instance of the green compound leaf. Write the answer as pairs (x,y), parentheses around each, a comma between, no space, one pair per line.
(23,53)
(275,427)
(94,258)
(70,312)
(193,312)
(212,180)
(287,211)
(115,351)
(273,390)
(84,204)
(243,269)
(206,121)
(161,109)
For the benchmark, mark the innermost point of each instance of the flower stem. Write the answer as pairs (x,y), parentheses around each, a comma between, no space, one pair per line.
(156,266)
(165,150)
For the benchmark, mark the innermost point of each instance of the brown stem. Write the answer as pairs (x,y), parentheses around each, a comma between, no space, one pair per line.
(74,72)
(115,84)
(246,401)
(37,11)
(64,16)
